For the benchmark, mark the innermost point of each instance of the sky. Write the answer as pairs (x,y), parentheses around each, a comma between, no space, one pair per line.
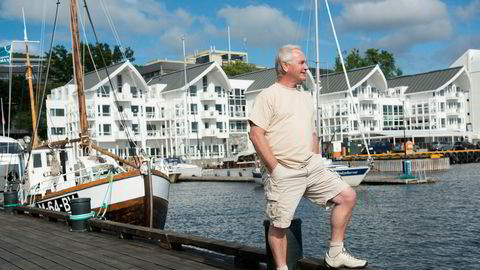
(423,35)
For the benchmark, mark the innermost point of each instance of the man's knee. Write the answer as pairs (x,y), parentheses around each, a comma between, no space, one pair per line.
(348,197)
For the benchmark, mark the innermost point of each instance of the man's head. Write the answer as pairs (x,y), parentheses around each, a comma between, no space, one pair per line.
(290,65)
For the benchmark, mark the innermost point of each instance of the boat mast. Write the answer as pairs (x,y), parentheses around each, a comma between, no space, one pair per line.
(78,74)
(317,74)
(30,86)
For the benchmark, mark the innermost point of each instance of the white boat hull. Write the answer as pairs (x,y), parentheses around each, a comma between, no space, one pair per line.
(128,200)
(351,175)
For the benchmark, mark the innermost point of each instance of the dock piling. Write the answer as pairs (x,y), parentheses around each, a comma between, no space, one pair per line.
(294,244)
(81,212)
(10,201)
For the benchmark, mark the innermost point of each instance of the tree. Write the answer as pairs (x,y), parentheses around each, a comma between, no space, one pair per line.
(61,69)
(384,59)
(238,67)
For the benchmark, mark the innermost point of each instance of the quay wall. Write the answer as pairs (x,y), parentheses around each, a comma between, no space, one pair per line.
(396,165)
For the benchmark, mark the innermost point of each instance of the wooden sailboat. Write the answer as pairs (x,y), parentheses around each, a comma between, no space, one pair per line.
(59,171)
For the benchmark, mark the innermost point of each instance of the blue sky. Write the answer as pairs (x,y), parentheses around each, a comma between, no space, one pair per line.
(424,35)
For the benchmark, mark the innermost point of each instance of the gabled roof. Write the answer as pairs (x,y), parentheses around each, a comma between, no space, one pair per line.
(176,79)
(91,78)
(424,81)
(261,79)
(164,66)
(336,82)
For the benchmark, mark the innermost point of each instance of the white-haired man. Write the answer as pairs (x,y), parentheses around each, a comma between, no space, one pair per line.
(282,131)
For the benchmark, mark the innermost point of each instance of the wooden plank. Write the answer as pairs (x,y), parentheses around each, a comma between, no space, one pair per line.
(30,256)
(153,257)
(17,260)
(5,265)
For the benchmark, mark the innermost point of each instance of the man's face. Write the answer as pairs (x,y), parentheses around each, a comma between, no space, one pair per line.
(297,68)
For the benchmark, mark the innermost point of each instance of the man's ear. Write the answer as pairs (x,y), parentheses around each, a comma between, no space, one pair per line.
(284,67)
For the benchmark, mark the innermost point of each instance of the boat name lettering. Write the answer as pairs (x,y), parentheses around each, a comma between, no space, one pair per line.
(61,204)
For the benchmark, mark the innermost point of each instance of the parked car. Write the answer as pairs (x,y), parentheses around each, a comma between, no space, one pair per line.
(463,146)
(377,148)
(440,146)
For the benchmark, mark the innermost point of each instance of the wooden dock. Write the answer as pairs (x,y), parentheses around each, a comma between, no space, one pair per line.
(34,238)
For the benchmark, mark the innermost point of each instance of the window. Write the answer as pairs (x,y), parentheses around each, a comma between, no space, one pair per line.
(207,125)
(119,83)
(106,110)
(193,91)
(150,111)
(57,112)
(234,148)
(134,91)
(105,91)
(205,107)
(107,129)
(218,90)
(37,160)
(193,109)
(136,129)
(205,83)
(194,127)
(220,126)
(218,108)
(58,131)
(135,110)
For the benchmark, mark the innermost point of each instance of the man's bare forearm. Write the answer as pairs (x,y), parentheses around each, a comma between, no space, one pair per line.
(315,146)
(257,136)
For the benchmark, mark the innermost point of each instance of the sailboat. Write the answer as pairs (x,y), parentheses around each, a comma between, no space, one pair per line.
(57,172)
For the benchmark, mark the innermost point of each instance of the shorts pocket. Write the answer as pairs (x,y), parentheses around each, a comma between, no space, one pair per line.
(271,189)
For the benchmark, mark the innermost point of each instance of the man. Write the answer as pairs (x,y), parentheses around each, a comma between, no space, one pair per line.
(282,131)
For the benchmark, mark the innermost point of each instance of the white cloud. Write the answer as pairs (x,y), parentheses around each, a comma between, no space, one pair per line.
(401,23)
(469,11)
(263,26)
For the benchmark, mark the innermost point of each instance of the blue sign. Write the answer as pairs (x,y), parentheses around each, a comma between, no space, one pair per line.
(5,54)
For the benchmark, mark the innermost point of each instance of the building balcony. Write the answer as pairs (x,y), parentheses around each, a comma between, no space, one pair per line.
(451,112)
(209,115)
(367,97)
(209,132)
(367,114)
(125,115)
(206,96)
(124,97)
(453,96)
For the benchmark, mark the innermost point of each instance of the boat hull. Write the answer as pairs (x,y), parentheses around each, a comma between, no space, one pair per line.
(351,175)
(135,198)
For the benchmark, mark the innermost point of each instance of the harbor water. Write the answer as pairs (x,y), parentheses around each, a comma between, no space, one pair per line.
(431,226)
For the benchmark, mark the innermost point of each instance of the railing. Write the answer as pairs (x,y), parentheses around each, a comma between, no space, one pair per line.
(207,96)
(208,132)
(209,114)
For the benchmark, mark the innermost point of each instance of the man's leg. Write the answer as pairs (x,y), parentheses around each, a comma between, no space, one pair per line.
(277,239)
(345,201)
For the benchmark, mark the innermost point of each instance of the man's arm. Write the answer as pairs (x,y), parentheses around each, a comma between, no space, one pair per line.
(257,136)
(315,146)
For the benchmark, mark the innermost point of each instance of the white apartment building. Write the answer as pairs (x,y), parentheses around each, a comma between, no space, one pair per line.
(161,117)
(204,115)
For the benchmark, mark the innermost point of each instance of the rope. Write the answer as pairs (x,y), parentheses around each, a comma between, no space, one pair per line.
(104,205)
(83,216)
(11,205)
(360,123)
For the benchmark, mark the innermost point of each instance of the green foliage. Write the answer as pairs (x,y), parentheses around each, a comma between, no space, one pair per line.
(372,56)
(238,67)
(61,69)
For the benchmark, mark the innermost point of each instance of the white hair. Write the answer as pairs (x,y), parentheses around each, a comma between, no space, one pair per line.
(284,55)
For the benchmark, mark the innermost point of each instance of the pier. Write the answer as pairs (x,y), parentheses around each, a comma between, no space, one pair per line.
(34,238)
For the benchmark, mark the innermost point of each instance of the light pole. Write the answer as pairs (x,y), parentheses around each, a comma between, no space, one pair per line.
(404,129)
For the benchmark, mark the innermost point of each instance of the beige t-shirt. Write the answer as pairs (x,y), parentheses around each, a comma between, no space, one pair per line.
(286,114)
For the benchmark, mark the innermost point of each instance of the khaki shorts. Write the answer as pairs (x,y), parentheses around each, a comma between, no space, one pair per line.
(285,187)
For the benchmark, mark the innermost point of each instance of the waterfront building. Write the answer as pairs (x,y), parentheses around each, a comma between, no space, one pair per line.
(161,67)
(203,115)
(471,61)
(161,116)
(221,57)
